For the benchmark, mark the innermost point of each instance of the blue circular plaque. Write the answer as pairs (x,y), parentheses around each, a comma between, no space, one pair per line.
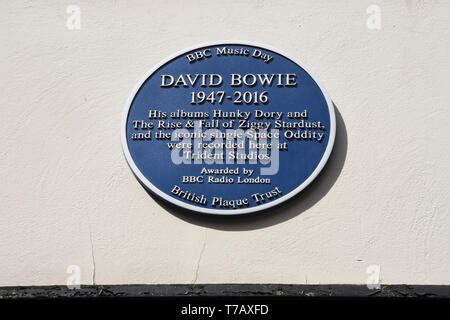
(228,128)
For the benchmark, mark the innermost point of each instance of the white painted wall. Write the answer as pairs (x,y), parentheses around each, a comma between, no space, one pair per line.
(67,196)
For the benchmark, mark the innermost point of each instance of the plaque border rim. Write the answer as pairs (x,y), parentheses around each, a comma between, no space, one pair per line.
(143,180)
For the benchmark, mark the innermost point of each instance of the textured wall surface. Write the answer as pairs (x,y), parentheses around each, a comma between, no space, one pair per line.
(67,196)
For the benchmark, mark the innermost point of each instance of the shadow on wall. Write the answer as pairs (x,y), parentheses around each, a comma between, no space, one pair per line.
(293,207)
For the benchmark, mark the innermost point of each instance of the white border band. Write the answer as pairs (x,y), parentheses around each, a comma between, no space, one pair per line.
(184,205)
